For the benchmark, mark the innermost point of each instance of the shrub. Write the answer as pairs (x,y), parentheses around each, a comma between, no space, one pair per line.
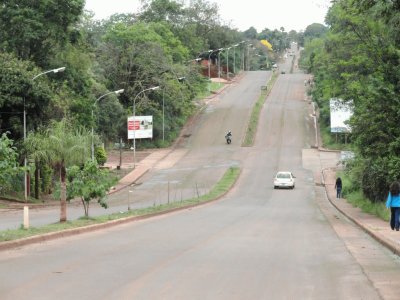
(101,156)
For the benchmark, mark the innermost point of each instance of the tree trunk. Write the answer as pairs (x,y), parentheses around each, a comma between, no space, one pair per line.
(85,207)
(120,154)
(63,203)
(37,180)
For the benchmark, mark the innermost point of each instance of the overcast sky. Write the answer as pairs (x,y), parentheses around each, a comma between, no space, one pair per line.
(241,14)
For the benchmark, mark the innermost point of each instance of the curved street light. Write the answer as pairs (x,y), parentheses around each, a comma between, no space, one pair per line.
(209,63)
(134,116)
(50,71)
(25,161)
(94,104)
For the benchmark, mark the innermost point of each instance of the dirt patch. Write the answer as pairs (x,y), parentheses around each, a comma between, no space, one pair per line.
(125,158)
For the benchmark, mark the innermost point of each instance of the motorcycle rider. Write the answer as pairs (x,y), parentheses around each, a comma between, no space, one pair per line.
(228,136)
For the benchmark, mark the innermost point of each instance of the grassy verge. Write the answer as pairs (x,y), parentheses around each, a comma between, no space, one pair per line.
(376,209)
(255,113)
(331,141)
(214,86)
(357,199)
(221,187)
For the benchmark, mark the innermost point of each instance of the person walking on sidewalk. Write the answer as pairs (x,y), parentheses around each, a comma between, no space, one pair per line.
(393,202)
(338,187)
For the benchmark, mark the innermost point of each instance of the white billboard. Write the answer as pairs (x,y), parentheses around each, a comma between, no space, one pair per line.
(340,113)
(140,127)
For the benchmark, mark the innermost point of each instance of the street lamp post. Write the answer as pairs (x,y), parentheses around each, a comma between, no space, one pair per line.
(209,68)
(94,104)
(248,56)
(243,58)
(134,116)
(234,58)
(227,63)
(25,160)
(219,62)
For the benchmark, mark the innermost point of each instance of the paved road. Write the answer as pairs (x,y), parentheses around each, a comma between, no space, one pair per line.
(192,169)
(255,243)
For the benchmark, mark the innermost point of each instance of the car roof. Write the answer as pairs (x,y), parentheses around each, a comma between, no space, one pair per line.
(284,175)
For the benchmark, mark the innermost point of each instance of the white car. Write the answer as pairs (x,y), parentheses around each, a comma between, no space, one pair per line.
(284,179)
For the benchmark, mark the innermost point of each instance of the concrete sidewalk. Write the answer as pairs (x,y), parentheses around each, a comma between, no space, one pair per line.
(377,228)
(141,168)
(324,164)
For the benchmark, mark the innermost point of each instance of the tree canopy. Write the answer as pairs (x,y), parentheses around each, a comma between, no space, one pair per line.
(156,46)
(8,162)
(358,59)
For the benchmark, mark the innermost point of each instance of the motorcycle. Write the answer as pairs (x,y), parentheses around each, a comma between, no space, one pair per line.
(228,138)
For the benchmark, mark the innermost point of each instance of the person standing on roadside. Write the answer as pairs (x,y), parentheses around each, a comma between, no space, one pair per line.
(338,187)
(393,202)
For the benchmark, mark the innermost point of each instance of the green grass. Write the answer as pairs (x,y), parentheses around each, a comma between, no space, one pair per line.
(376,209)
(221,187)
(331,141)
(255,113)
(214,86)
(357,199)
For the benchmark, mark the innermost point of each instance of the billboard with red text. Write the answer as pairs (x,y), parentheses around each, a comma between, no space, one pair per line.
(140,127)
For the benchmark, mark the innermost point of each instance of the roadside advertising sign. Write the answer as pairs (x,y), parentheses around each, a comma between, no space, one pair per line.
(341,112)
(140,127)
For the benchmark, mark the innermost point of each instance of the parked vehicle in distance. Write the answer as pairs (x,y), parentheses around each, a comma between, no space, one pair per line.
(284,179)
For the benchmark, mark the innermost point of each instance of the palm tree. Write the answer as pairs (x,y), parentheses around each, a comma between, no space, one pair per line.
(65,146)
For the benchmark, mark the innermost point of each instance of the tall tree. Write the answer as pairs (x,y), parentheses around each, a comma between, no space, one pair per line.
(8,162)
(162,11)
(135,56)
(315,30)
(35,29)
(361,63)
(19,91)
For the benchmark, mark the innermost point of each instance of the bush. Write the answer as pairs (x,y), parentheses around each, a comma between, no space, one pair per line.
(46,173)
(101,156)
(375,180)
(372,177)
(357,199)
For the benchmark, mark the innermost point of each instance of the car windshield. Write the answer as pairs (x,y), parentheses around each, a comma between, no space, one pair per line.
(283,175)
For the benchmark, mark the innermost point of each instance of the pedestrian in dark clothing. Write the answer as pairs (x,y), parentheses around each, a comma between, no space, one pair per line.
(393,202)
(338,187)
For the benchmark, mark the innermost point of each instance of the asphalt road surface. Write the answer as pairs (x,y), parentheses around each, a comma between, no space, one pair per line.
(191,170)
(255,243)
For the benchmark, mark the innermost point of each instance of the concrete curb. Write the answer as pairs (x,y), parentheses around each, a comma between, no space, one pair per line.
(90,228)
(378,237)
